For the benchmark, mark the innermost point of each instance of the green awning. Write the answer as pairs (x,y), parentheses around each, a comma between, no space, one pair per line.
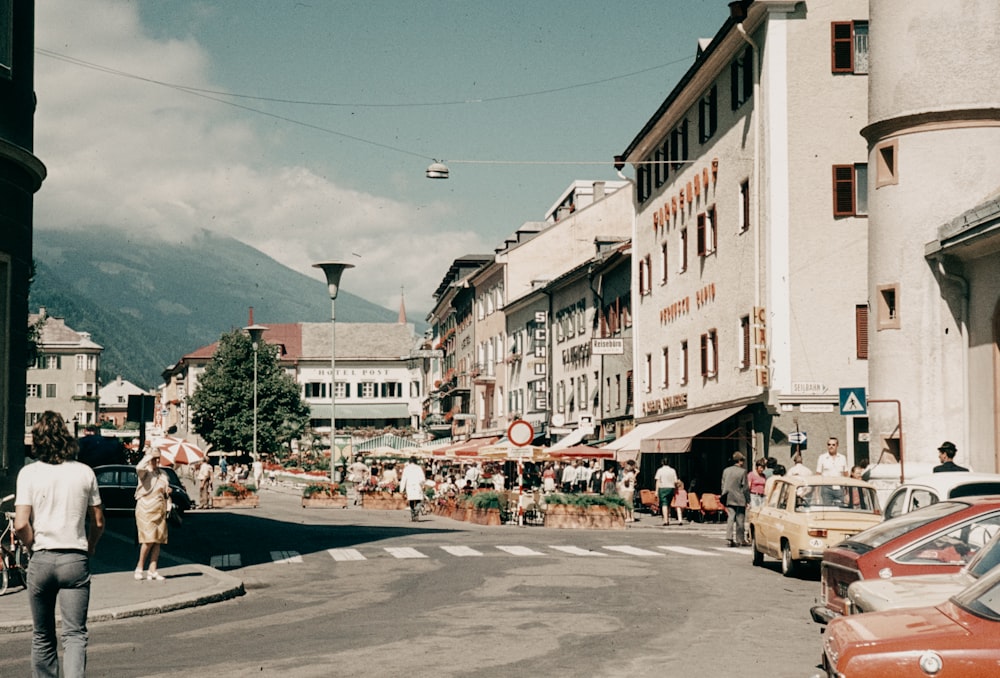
(365,411)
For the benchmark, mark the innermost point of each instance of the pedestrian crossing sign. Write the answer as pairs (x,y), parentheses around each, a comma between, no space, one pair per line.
(852,401)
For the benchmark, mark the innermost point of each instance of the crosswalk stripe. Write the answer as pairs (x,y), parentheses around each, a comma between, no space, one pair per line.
(684,550)
(461,551)
(733,551)
(520,551)
(346,554)
(404,552)
(228,560)
(285,557)
(633,551)
(577,551)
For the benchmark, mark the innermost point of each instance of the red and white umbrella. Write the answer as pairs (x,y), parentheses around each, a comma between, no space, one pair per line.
(179,451)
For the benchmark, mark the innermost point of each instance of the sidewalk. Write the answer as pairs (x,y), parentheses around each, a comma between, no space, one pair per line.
(115,594)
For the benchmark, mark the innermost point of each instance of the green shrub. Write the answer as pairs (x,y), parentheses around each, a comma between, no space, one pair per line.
(487,500)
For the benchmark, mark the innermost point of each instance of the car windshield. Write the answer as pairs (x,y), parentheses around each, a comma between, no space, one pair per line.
(987,558)
(885,532)
(982,598)
(835,497)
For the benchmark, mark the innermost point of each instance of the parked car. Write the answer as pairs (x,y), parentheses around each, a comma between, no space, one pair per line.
(117,483)
(934,487)
(940,539)
(956,638)
(801,516)
(875,595)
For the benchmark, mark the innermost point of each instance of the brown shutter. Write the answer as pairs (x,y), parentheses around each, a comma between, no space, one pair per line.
(842,47)
(704,355)
(861,330)
(843,190)
(701,235)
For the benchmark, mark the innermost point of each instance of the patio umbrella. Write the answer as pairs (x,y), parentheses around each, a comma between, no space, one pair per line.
(180,451)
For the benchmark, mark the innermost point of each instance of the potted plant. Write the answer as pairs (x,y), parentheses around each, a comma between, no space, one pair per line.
(324,495)
(580,511)
(382,497)
(486,508)
(235,495)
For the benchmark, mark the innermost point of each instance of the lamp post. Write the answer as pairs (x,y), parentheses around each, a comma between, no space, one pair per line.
(255,332)
(333,270)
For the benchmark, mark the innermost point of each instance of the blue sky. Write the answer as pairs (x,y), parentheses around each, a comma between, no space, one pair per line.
(304,128)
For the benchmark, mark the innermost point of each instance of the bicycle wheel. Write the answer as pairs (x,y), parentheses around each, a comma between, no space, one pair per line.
(4,575)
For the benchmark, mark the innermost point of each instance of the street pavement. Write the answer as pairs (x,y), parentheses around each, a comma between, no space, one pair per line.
(115,594)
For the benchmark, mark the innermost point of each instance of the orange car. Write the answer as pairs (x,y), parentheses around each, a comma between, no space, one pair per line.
(957,638)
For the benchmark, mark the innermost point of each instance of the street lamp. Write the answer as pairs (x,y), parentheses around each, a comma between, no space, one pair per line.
(256,332)
(333,270)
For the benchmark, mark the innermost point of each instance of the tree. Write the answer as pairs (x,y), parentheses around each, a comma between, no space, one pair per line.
(222,405)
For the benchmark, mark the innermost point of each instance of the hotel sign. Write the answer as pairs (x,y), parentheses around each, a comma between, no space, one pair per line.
(607,346)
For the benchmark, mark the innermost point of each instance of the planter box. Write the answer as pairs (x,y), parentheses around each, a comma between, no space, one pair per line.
(324,502)
(251,501)
(579,517)
(383,501)
(485,516)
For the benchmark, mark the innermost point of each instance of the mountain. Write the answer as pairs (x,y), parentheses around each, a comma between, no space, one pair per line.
(149,302)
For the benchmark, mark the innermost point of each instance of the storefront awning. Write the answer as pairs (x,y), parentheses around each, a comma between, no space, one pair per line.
(675,436)
(570,439)
(626,448)
(373,411)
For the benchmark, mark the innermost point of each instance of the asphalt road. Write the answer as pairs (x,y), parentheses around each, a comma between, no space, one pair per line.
(364,593)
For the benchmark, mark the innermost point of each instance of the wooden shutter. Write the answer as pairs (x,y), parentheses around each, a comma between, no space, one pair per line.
(745,331)
(701,235)
(861,330)
(842,47)
(843,190)
(704,355)
(713,229)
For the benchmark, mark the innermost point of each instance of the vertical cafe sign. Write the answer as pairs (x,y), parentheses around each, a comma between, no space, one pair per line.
(761,373)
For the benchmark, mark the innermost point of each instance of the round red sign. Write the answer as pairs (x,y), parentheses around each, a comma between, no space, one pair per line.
(520,433)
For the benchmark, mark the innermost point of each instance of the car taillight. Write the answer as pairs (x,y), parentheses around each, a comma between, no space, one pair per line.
(817,533)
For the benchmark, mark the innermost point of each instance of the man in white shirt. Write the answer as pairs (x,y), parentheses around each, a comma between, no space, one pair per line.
(798,468)
(666,483)
(833,463)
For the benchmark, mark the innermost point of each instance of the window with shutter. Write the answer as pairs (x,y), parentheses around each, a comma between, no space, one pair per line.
(849,47)
(745,341)
(843,190)
(702,248)
(861,330)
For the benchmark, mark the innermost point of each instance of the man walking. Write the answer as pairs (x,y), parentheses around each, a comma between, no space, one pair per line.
(205,485)
(736,494)
(56,498)
(946,454)
(666,482)
(411,483)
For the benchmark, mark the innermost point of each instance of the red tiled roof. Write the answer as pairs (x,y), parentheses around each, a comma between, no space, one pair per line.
(287,335)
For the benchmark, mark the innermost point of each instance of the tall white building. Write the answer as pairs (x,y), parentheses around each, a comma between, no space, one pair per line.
(934,227)
(750,243)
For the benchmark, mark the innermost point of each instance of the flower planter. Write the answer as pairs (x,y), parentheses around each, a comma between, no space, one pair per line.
(485,516)
(229,501)
(324,501)
(580,517)
(383,501)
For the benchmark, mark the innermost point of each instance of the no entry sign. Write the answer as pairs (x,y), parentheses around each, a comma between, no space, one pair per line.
(520,433)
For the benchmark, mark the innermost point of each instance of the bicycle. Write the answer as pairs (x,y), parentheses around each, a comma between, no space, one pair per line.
(13,554)
(420,508)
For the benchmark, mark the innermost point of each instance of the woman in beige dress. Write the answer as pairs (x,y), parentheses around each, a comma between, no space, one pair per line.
(151,512)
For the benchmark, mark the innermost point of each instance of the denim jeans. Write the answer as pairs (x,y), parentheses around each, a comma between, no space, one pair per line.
(65,575)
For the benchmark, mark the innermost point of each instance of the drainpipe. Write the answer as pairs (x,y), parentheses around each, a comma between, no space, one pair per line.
(963,327)
(619,164)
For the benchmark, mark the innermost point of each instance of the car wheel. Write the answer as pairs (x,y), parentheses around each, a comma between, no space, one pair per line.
(758,557)
(787,564)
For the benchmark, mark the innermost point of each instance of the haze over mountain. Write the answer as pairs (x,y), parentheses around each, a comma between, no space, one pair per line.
(149,302)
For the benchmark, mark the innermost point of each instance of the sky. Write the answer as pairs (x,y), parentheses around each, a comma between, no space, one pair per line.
(304,129)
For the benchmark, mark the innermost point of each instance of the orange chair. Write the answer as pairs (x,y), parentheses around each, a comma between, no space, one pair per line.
(650,501)
(712,506)
(694,510)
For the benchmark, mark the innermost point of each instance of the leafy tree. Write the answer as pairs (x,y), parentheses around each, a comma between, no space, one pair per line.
(222,405)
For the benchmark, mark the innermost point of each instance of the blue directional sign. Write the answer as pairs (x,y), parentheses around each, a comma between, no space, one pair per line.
(797,437)
(853,401)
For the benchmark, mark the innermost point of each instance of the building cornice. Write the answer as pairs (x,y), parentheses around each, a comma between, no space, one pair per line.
(926,121)
(27,160)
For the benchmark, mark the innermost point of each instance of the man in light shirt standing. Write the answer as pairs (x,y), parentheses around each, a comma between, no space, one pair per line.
(833,463)
(666,482)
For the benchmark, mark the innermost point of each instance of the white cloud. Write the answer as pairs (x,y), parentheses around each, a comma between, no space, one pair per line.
(150,159)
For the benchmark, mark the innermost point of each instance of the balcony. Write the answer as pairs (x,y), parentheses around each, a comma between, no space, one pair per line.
(483,374)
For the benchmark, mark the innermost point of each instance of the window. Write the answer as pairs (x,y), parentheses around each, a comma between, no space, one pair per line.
(86,362)
(391,389)
(643,182)
(707,239)
(581,318)
(315,389)
(366,389)
(741,79)
(709,354)
(885,159)
(684,363)
(849,47)
(50,390)
(618,391)
(744,347)
(658,168)
(582,395)
(850,190)
(708,115)
(861,330)
(665,368)
(888,307)
(643,278)
(342,389)
(86,389)
(679,144)
(52,362)
(648,373)
(665,155)
(744,206)
(683,261)
(34,391)
(561,396)
(663,263)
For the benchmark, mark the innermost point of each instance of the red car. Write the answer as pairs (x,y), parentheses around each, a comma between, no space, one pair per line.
(957,638)
(940,538)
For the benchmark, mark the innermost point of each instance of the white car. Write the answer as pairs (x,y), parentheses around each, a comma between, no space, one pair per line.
(934,487)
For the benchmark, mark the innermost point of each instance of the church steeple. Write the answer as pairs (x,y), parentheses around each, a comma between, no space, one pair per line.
(402,308)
